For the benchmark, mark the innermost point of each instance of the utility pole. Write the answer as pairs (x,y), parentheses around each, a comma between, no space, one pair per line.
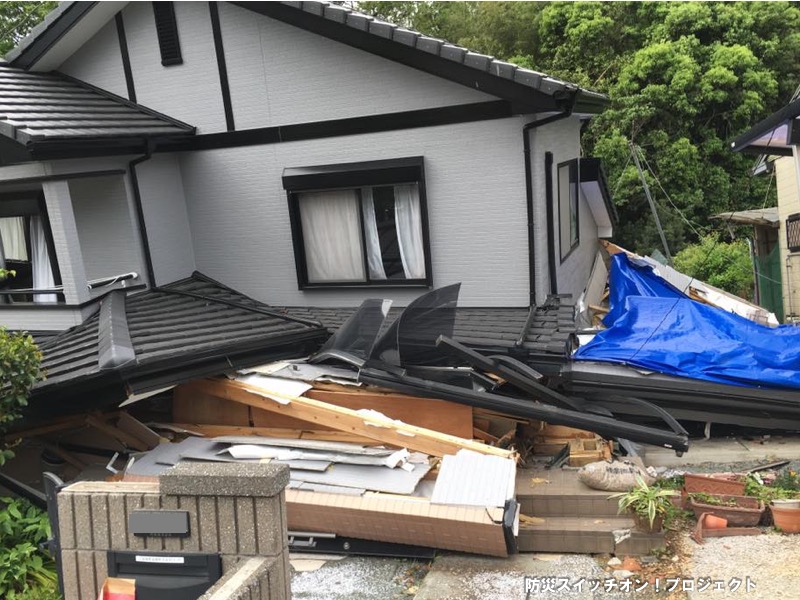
(635,154)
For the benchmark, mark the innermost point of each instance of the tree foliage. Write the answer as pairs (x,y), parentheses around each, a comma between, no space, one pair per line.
(683,77)
(724,265)
(17,19)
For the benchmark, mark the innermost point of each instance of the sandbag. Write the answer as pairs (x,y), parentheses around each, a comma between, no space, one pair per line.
(614,476)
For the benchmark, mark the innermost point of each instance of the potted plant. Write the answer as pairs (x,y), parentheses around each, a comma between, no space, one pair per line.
(740,511)
(649,505)
(784,506)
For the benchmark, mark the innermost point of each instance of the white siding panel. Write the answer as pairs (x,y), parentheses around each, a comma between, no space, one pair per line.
(562,139)
(476,205)
(19,318)
(107,238)
(164,207)
(189,92)
(99,62)
(280,74)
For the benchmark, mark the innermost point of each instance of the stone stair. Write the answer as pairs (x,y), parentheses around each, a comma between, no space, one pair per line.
(577,519)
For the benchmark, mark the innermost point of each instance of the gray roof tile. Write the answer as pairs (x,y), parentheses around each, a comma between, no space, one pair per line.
(50,107)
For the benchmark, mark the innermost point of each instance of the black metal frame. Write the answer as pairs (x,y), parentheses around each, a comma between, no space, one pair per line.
(793,232)
(353,176)
(551,229)
(573,167)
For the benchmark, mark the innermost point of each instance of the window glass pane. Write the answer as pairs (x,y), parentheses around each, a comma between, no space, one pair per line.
(332,236)
(567,207)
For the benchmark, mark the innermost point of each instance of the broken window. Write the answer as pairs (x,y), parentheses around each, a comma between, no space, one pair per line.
(26,248)
(350,234)
(568,207)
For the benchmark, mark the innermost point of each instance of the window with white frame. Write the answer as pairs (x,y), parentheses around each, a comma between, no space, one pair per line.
(359,224)
(569,233)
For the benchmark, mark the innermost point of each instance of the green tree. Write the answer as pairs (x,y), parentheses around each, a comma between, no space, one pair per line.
(725,265)
(683,77)
(17,19)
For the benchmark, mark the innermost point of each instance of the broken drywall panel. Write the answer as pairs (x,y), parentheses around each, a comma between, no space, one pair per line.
(252,451)
(379,479)
(273,387)
(472,479)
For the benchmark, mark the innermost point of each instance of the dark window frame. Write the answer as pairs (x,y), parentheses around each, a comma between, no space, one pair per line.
(169,42)
(27,200)
(575,184)
(793,232)
(400,171)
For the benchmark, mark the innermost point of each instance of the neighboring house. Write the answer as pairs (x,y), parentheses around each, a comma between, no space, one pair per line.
(777,137)
(300,153)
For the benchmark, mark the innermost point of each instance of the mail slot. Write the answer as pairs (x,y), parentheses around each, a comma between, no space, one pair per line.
(166,575)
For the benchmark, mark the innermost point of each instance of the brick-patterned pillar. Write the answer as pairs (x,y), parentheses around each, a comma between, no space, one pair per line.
(237,510)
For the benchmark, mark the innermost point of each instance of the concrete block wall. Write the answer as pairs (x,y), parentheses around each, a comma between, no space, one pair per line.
(235,510)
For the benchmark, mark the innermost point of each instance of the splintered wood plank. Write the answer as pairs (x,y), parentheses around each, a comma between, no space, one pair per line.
(377,428)
(299,434)
(191,405)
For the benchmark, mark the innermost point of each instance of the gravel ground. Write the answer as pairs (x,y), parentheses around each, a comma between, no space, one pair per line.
(359,578)
(770,561)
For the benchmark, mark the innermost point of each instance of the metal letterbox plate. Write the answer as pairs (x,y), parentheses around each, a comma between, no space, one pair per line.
(159,523)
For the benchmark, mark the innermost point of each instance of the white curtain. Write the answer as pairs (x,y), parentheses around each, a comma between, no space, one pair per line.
(332,236)
(12,235)
(40,263)
(374,256)
(408,218)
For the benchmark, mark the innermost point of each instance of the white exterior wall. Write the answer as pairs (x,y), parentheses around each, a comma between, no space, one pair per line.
(281,74)
(562,139)
(167,221)
(99,62)
(107,238)
(788,203)
(475,180)
(189,92)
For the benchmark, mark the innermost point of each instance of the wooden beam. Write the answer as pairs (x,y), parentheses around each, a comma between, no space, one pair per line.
(381,429)
(73,422)
(299,434)
(118,434)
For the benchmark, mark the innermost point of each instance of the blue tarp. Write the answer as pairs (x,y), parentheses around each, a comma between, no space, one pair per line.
(655,326)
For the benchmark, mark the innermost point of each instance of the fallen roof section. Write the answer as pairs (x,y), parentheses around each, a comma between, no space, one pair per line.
(48,111)
(767,217)
(140,342)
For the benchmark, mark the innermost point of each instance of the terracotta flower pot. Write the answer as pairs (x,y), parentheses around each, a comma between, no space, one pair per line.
(786,519)
(714,522)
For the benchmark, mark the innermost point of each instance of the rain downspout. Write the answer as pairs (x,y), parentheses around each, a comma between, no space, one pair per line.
(526,144)
(137,200)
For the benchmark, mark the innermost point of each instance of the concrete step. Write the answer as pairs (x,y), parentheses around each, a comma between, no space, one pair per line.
(582,535)
(562,495)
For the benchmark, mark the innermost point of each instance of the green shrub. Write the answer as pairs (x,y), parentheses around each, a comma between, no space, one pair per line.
(19,371)
(26,573)
(726,266)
